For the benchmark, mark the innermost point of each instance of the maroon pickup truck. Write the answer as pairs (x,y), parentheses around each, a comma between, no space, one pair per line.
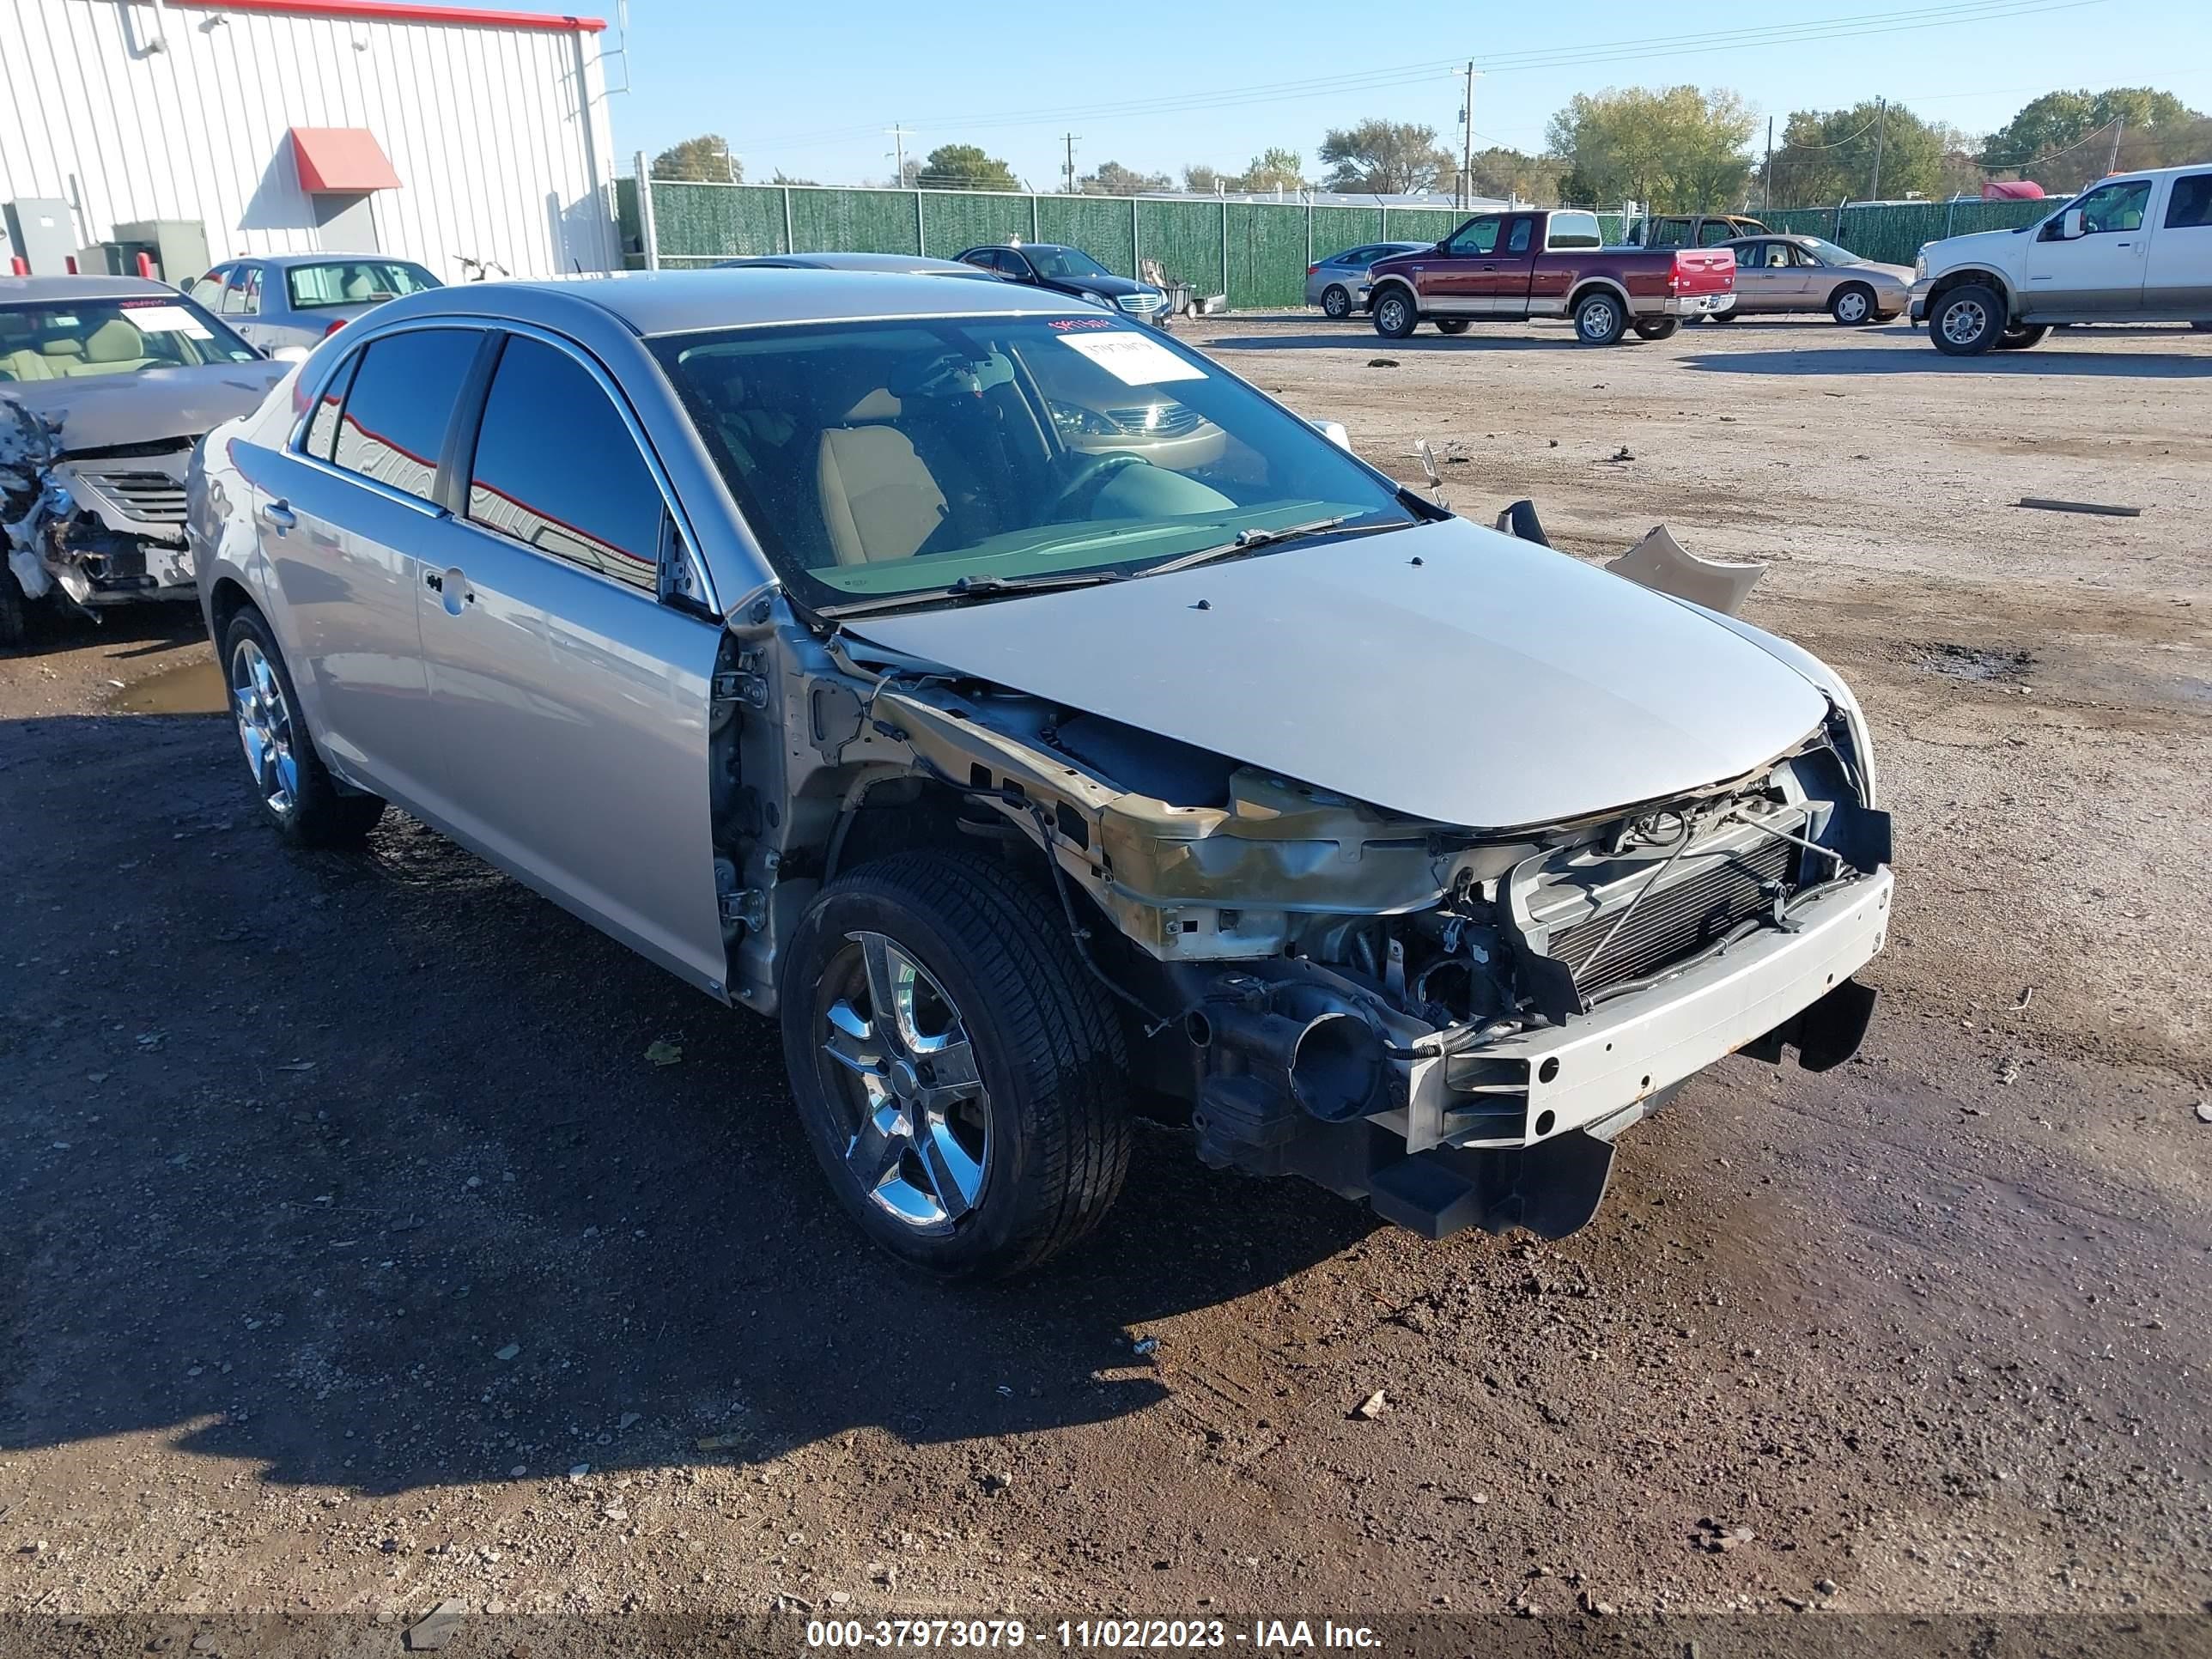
(1538,262)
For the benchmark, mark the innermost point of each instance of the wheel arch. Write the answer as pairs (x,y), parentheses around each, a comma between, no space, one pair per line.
(226,598)
(1589,285)
(1376,287)
(1980,274)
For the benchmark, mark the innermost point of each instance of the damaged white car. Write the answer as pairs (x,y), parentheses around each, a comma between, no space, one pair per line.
(774,622)
(106,383)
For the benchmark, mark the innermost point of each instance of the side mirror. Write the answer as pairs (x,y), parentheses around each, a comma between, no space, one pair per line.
(1334,432)
(2069,224)
(290,353)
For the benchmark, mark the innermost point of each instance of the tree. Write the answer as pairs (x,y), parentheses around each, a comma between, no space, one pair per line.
(783,178)
(706,158)
(1385,158)
(1202,181)
(1509,173)
(1681,150)
(1828,155)
(1275,168)
(2063,140)
(965,167)
(1112,179)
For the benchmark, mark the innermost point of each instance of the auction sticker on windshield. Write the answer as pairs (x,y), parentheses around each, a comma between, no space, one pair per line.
(1132,359)
(166,319)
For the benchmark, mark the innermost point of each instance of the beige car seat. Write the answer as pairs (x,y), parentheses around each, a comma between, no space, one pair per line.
(360,289)
(878,499)
(114,346)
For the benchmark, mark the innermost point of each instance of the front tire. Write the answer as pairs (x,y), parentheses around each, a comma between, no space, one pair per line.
(2021,338)
(1852,305)
(982,1125)
(1599,319)
(1452,324)
(1335,302)
(1658,328)
(297,793)
(1968,321)
(1394,315)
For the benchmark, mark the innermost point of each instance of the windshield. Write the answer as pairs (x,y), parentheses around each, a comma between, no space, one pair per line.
(1829,254)
(900,457)
(113,337)
(1062,263)
(355,282)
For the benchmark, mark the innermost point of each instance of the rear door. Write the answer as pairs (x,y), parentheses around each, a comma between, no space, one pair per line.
(571,697)
(350,519)
(1502,287)
(2178,280)
(2103,269)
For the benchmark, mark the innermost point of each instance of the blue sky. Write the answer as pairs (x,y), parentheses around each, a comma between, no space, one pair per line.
(810,88)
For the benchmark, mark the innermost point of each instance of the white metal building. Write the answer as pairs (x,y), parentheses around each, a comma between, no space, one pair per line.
(437,133)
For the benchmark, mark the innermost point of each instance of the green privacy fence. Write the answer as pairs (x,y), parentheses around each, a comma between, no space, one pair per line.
(1893,233)
(1256,252)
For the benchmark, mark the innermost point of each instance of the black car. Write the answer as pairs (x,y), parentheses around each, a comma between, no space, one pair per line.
(1071,270)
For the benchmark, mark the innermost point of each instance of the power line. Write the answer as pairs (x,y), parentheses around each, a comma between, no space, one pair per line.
(1802,32)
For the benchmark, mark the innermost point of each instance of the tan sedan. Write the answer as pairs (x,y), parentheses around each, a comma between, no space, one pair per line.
(1806,273)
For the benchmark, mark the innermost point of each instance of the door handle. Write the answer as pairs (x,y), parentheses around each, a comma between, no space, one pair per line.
(454,585)
(279,516)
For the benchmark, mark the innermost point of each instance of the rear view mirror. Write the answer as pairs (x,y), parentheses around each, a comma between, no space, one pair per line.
(1334,432)
(2070,224)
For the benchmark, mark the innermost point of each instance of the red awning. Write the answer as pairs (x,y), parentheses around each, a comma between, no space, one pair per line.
(343,160)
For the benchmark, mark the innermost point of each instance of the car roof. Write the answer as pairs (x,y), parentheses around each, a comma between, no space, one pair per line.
(682,301)
(40,290)
(288,261)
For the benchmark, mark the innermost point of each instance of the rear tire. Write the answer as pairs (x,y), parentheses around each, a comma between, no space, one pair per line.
(1658,328)
(1335,302)
(1599,319)
(1395,313)
(2021,338)
(1452,324)
(1968,321)
(297,793)
(1852,305)
(975,1167)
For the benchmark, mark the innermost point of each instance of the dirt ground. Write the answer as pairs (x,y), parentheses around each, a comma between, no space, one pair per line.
(353,1256)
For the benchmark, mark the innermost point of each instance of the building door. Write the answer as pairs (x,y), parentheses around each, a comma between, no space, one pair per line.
(344,223)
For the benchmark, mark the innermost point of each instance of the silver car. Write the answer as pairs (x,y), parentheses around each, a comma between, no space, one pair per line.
(1776,274)
(1337,285)
(766,620)
(105,384)
(283,299)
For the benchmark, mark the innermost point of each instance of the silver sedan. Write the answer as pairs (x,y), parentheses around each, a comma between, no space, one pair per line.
(778,624)
(1337,285)
(282,300)
(1778,274)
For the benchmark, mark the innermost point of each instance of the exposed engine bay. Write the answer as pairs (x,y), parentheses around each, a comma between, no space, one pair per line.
(1336,990)
(96,526)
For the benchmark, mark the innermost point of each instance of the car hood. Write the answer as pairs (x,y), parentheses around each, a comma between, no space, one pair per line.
(98,412)
(1974,246)
(1112,287)
(1895,273)
(1445,672)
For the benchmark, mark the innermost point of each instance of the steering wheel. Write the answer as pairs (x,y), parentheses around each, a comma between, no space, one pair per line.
(1089,475)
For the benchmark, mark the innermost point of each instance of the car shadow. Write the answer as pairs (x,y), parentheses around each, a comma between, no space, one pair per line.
(360,1166)
(2044,359)
(1367,340)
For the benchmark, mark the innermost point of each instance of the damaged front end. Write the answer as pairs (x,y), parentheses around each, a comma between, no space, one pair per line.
(93,527)
(1451,1022)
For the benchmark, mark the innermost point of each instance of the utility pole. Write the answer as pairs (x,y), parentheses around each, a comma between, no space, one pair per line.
(1467,142)
(898,134)
(2119,131)
(1881,132)
(1767,192)
(1068,173)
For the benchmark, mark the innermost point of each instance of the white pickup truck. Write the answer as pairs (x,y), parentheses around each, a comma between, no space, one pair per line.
(2135,248)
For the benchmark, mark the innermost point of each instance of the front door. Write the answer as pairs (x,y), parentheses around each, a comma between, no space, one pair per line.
(344,528)
(2177,281)
(1453,280)
(571,702)
(2101,270)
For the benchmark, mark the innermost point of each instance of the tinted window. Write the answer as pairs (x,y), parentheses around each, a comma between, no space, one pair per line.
(1517,242)
(557,468)
(1571,229)
(2191,206)
(2115,207)
(323,424)
(1714,232)
(401,400)
(1671,233)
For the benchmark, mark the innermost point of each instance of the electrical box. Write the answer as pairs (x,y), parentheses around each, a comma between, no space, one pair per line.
(180,247)
(41,233)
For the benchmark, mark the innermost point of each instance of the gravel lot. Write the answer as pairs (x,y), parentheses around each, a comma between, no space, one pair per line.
(353,1256)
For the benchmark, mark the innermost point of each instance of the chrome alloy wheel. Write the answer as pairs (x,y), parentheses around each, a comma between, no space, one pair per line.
(1598,319)
(264,727)
(920,1142)
(1965,321)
